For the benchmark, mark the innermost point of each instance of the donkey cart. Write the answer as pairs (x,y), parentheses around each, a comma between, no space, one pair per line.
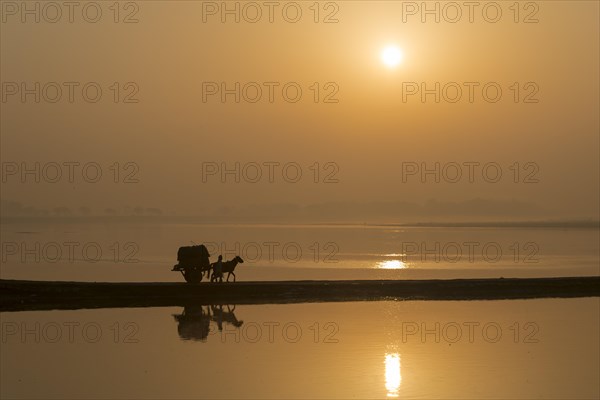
(193,263)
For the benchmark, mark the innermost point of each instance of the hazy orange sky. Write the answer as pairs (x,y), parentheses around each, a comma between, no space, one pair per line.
(369,133)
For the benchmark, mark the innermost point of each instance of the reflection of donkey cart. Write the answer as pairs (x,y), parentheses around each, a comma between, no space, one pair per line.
(193,263)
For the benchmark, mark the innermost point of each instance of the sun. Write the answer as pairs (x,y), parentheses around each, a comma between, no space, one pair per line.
(391,56)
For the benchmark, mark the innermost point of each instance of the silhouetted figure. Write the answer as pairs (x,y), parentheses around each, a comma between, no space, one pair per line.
(218,270)
(226,267)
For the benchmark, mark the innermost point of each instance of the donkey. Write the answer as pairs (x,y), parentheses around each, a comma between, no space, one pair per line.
(228,267)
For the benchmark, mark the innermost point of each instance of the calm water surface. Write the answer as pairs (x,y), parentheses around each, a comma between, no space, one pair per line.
(121,251)
(389,349)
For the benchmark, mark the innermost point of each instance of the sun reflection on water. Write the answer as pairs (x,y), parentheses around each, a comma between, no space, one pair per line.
(393,378)
(391,264)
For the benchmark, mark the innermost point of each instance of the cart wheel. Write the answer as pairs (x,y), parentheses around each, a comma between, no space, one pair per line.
(192,276)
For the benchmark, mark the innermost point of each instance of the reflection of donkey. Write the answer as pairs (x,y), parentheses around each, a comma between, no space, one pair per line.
(220,316)
(228,267)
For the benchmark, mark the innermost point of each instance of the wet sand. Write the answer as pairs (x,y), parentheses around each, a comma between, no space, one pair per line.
(18,295)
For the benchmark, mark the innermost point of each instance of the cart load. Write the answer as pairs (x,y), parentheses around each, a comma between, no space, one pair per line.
(193,262)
